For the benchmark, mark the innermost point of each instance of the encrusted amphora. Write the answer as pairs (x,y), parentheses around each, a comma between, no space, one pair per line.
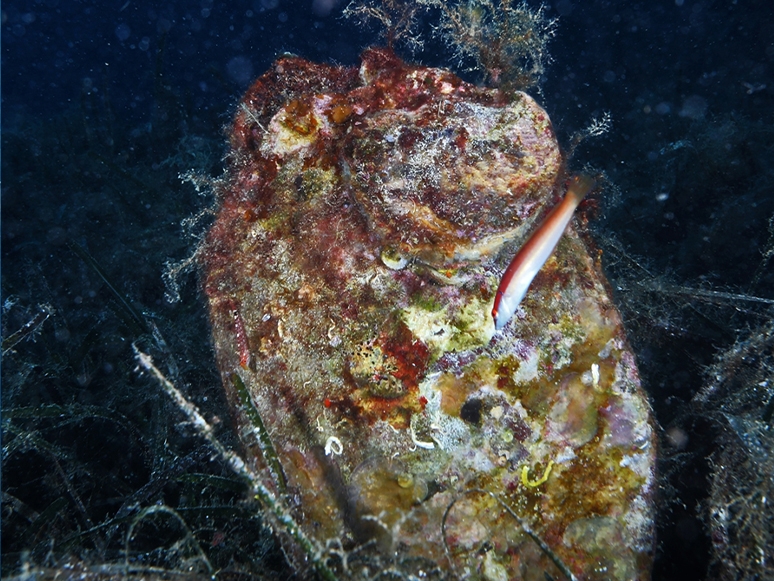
(368,216)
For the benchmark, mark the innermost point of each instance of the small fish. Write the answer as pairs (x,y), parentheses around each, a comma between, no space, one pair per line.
(538,248)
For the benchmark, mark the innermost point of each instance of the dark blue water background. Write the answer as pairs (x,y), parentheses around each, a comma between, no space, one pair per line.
(105,103)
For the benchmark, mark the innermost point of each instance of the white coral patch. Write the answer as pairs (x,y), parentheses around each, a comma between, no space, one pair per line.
(431,327)
(528,370)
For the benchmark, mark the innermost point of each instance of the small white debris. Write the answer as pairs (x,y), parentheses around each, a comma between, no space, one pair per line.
(595,374)
(333,446)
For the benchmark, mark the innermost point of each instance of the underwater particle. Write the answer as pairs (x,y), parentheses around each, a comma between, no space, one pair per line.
(366,219)
(693,107)
(322,8)
(240,70)
(677,438)
(123,32)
